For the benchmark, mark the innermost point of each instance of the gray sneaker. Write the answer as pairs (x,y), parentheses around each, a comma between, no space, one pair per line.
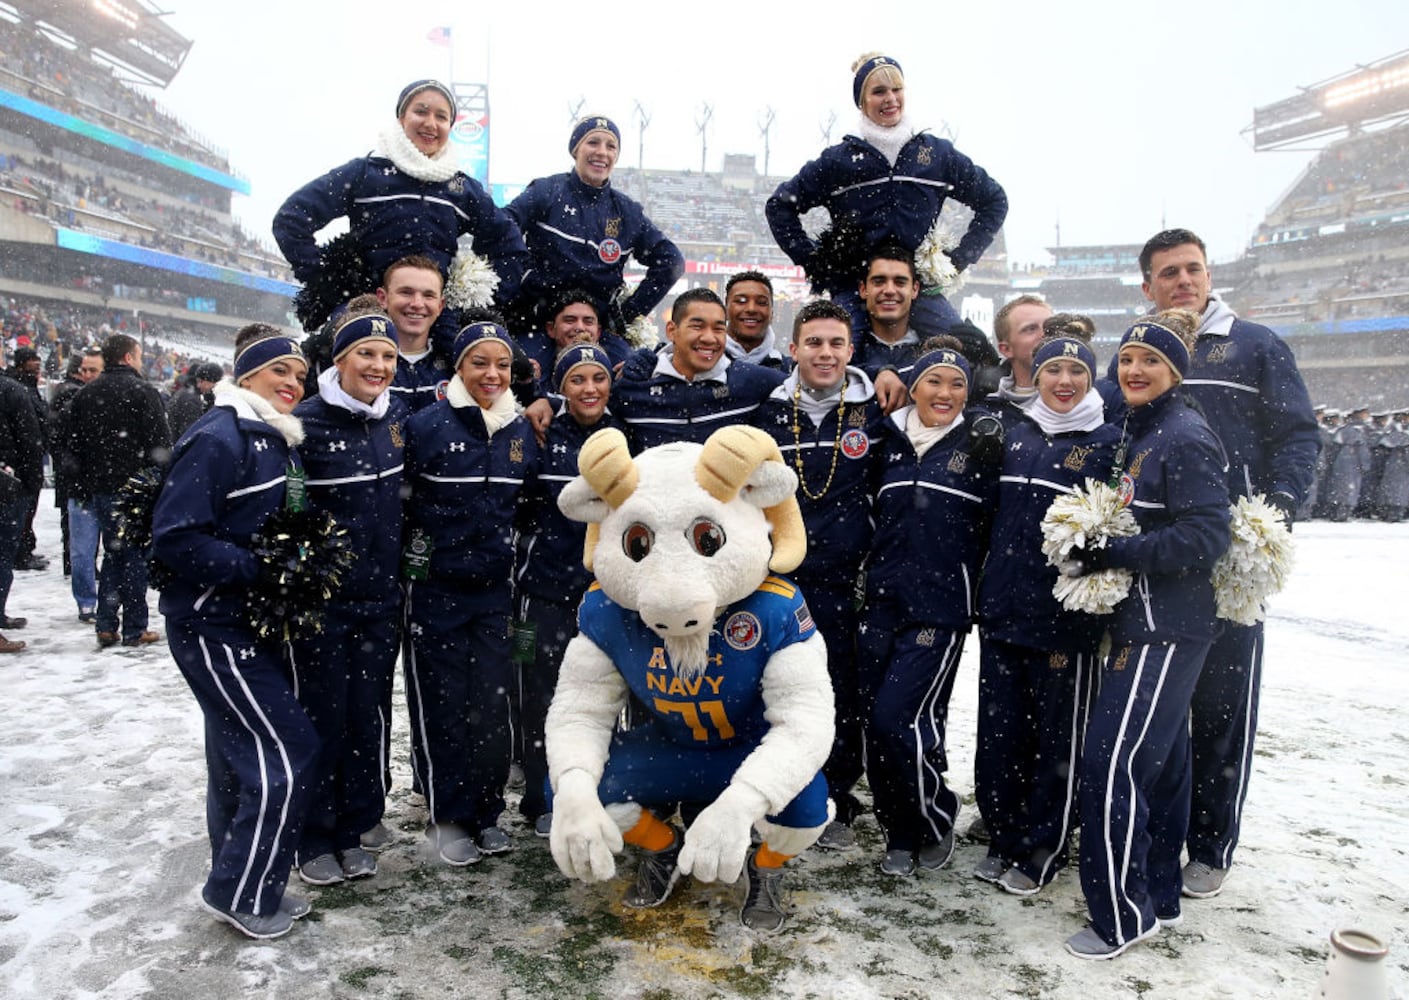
(837,837)
(1203,881)
(990,869)
(763,906)
(493,840)
(543,826)
(275,925)
(655,877)
(322,870)
(901,863)
(1086,943)
(296,907)
(454,845)
(357,863)
(933,857)
(1016,881)
(379,838)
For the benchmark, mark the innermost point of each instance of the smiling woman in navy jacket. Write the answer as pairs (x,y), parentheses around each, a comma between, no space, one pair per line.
(1037,659)
(352,452)
(931,501)
(469,457)
(406,197)
(1136,764)
(228,475)
(581,231)
(886,183)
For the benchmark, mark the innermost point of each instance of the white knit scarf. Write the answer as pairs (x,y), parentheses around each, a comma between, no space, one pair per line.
(252,406)
(396,147)
(332,392)
(496,417)
(1086,415)
(924,438)
(887,139)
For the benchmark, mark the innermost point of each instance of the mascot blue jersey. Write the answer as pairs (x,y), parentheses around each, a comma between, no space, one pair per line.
(724,705)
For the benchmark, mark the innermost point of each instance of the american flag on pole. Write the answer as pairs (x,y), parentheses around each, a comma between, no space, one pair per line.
(439,36)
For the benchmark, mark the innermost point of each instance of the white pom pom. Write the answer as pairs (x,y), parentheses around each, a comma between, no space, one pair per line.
(932,261)
(641,332)
(1257,562)
(472,280)
(1087,518)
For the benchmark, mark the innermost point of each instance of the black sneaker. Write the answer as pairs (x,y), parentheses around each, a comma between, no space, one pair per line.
(655,877)
(763,907)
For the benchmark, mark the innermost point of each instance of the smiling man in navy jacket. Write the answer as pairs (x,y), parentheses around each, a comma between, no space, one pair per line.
(1245,379)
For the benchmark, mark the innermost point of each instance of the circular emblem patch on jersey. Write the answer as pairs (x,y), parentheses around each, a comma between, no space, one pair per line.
(742,630)
(609,251)
(440,388)
(855,443)
(1127,489)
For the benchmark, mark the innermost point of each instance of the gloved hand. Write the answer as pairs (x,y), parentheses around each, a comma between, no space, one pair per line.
(584,837)
(1081,560)
(986,439)
(718,841)
(1285,503)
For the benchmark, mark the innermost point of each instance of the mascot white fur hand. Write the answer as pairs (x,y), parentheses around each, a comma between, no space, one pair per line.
(683,540)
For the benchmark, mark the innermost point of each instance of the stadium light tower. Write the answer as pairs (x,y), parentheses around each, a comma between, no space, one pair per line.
(575,110)
(826,127)
(702,123)
(642,120)
(765,128)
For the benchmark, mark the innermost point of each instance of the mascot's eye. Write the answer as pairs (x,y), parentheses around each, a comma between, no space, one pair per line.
(706,536)
(636,542)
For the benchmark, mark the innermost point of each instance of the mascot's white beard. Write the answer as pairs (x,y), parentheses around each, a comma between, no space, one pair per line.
(689,654)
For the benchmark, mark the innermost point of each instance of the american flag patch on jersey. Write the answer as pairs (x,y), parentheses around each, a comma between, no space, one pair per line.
(804,618)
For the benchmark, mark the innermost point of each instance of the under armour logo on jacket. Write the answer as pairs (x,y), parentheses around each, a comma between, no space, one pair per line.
(337,446)
(657,390)
(260,445)
(569,210)
(560,449)
(457,446)
(857,156)
(247,653)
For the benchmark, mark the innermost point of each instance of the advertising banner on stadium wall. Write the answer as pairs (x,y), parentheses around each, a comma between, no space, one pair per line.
(471,138)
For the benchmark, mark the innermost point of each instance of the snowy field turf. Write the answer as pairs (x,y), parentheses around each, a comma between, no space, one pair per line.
(102,849)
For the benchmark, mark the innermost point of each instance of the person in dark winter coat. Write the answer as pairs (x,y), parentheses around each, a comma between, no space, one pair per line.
(1350,465)
(1137,756)
(823,419)
(468,460)
(931,507)
(572,318)
(116,427)
(1038,660)
(79,524)
(748,300)
(581,231)
(21,473)
(25,371)
(411,293)
(550,578)
(352,454)
(229,473)
(1245,381)
(405,198)
(1392,492)
(191,401)
(690,388)
(887,183)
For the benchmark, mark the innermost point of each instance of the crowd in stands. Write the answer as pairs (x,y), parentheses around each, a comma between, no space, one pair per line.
(37,67)
(89,202)
(699,213)
(59,332)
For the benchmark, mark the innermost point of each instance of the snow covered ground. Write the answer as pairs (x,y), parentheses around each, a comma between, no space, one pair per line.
(102,848)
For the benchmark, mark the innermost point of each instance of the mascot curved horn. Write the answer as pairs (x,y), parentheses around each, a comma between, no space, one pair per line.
(605,462)
(730,457)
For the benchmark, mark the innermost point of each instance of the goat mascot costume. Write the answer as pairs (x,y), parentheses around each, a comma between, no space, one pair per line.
(686,616)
